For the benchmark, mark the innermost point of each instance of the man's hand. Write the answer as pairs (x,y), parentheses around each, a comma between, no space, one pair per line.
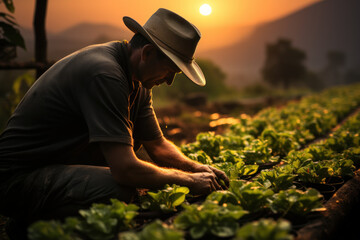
(220,176)
(204,183)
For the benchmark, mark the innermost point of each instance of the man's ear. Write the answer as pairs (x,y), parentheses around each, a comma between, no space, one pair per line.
(147,51)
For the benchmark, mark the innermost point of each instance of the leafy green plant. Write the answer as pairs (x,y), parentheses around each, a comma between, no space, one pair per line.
(315,172)
(10,34)
(258,152)
(209,143)
(99,222)
(209,218)
(201,157)
(265,229)
(165,200)
(280,142)
(222,197)
(241,170)
(293,202)
(155,230)
(353,154)
(275,179)
(54,230)
(252,195)
(319,152)
(104,221)
(229,156)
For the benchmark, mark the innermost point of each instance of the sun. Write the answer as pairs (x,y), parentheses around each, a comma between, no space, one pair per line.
(205,9)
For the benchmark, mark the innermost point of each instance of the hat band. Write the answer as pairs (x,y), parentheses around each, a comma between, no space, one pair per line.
(164,45)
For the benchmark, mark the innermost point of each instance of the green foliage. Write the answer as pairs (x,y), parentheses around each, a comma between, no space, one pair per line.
(252,195)
(353,154)
(294,202)
(10,36)
(275,179)
(155,230)
(201,157)
(209,143)
(100,222)
(265,229)
(103,221)
(222,197)
(166,199)
(241,170)
(209,218)
(280,142)
(53,230)
(258,152)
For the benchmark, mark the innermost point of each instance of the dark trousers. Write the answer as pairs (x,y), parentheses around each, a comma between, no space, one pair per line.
(58,191)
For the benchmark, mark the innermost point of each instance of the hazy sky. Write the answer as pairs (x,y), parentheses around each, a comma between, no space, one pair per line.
(229,19)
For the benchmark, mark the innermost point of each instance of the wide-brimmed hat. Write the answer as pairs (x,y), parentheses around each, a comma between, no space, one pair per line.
(175,37)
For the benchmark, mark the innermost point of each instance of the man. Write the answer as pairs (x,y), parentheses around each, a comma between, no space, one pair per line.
(93,109)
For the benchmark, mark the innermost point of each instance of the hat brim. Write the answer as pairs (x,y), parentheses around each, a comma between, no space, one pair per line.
(190,69)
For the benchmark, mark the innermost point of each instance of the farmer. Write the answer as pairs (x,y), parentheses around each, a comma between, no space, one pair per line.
(72,140)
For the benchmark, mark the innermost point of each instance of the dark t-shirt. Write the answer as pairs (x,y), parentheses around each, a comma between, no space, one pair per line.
(85,98)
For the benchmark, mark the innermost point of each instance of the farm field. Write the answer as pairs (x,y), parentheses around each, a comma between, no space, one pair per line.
(293,175)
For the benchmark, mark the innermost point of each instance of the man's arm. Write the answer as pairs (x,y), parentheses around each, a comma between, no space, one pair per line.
(166,154)
(128,170)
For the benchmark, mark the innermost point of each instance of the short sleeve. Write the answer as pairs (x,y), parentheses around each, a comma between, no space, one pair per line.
(146,125)
(104,104)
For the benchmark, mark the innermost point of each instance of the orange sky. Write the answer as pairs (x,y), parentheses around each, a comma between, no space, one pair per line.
(230,19)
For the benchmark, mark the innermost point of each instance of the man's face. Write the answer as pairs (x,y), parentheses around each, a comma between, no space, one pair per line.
(157,69)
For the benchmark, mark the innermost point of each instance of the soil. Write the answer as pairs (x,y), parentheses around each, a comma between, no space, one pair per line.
(182,122)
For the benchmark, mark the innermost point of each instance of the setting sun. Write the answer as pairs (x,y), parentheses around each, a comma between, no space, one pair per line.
(205,9)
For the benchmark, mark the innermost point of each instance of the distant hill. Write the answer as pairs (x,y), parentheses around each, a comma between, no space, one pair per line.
(76,37)
(316,29)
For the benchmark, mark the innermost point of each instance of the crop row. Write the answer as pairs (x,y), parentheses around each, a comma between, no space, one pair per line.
(277,179)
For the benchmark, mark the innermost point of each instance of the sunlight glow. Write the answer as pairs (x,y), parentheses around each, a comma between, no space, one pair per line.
(205,9)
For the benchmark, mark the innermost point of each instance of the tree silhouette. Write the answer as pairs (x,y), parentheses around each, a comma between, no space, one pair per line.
(10,36)
(332,74)
(284,64)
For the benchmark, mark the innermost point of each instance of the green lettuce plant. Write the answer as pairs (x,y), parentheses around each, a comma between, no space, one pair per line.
(276,179)
(265,229)
(99,222)
(252,195)
(293,202)
(209,218)
(155,230)
(165,200)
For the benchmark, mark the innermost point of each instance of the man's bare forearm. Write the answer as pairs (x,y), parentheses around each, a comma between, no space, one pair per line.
(128,170)
(166,154)
(146,175)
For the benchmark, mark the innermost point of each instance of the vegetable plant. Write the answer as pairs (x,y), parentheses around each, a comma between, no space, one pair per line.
(265,229)
(104,221)
(275,179)
(54,230)
(293,202)
(155,230)
(223,196)
(165,200)
(209,218)
(99,222)
(252,195)
(258,152)
(280,142)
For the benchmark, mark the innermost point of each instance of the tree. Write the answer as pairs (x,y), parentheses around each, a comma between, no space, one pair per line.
(284,64)
(40,34)
(10,36)
(332,74)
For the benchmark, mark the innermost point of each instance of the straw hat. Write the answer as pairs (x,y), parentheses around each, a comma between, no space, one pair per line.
(175,37)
